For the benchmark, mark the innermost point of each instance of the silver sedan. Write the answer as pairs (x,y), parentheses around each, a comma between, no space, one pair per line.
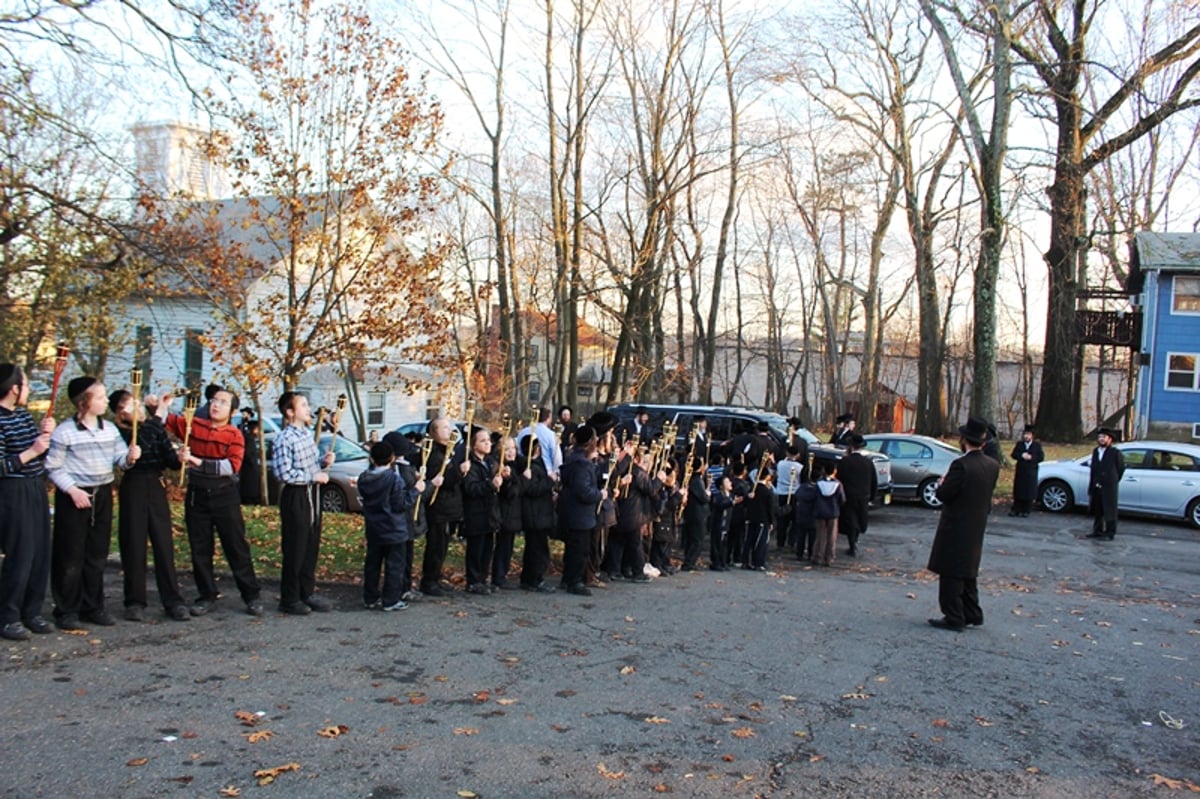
(917,464)
(1161,478)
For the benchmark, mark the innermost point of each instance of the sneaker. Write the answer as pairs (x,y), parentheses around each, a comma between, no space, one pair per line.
(201,607)
(319,604)
(254,607)
(290,608)
(101,617)
(376,605)
(135,613)
(15,632)
(179,613)
(38,625)
(397,605)
(411,596)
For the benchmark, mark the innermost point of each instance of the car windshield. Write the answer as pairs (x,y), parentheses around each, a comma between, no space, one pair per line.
(779,425)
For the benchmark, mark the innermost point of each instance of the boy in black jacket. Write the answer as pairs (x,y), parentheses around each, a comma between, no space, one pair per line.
(387,502)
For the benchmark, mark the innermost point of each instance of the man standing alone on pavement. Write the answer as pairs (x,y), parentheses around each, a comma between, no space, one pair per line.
(1107,468)
(966,493)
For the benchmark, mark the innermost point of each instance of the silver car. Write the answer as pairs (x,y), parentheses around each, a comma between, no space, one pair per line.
(340,494)
(917,463)
(1162,478)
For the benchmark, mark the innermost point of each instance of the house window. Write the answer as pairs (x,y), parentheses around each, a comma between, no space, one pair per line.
(193,359)
(584,391)
(1181,371)
(141,357)
(375,406)
(531,351)
(1186,298)
(535,391)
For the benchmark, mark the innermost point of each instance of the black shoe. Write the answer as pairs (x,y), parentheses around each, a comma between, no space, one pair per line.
(15,632)
(292,608)
(852,552)
(942,624)
(319,604)
(1107,537)
(507,586)
(1094,535)
(135,613)
(179,613)
(38,625)
(255,607)
(544,588)
(69,622)
(641,578)
(974,622)
(433,590)
(202,606)
(580,589)
(478,588)
(101,617)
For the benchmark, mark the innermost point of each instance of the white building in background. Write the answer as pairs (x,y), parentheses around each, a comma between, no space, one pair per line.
(168,319)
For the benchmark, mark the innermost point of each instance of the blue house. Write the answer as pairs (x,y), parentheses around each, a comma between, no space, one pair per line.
(1165,272)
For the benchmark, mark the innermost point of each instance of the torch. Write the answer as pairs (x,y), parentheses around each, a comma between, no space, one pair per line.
(533,418)
(320,423)
(60,366)
(426,448)
(135,382)
(445,461)
(189,412)
(337,420)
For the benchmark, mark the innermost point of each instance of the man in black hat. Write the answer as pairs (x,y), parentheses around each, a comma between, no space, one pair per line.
(637,428)
(843,430)
(1027,454)
(578,506)
(1104,480)
(966,494)
(859,481)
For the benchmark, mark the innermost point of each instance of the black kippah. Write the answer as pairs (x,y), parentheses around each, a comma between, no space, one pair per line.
(8,377)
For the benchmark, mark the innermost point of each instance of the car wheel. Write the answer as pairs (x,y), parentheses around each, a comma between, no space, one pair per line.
(333,499)
(927,491)
(1193,512)
(1055,496)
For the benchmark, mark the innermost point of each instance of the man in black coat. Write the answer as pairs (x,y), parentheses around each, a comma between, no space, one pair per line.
(843,430)
(966,494)
(1027,454)
(1104,480)
(636,429)
(578,508)
(859,481)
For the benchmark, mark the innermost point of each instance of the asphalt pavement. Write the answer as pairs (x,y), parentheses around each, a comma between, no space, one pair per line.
(1083,682)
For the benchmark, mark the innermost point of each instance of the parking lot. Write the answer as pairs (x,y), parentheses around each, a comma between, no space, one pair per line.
(1083,682)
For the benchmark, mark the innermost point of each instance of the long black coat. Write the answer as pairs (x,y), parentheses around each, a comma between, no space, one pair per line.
(537,499)
(1104,482)
(858,476)
(966,494)
(1025,479)
(580,495)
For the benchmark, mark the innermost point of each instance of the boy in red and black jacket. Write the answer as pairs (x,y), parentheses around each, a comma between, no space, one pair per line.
(213,458)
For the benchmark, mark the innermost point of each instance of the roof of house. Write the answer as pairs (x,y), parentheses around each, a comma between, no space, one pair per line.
(1161,252)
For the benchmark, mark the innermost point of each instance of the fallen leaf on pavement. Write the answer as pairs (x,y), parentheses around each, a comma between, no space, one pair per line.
(656,720)
(982,722)
(266,776)
(466,730)
(628,670)
(506,701)
(816,758)
(258,735)
(138,761)
(465,794)
(612,775)
(743,732)
(246,717)
(856,695)
(229,792)
(333,731)
(481,696)
(942,723)
(1175,784)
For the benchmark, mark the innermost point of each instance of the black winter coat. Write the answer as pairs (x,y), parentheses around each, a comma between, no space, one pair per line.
(1025,479)
(481,501)
(966,494)
(580,494)
(1104,482)
(537,499)
(449,504)
(511,497)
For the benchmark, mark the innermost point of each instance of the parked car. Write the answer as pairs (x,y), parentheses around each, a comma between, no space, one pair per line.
(340,494)
(1162,478)
(727,421)
(917,464)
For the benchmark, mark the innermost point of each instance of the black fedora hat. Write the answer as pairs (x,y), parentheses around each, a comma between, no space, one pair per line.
(975,430)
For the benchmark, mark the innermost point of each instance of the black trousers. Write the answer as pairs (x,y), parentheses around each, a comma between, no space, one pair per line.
(391,559)
(805,536)
(502,556)
(146,516)
(406,574)
(783,522)
(478,559)
(734,539)
(299,541)
(958,598)
(853,521)
(693,539)
(437,543)
(536,558)
(575,557)
(716,544)
(25,541)
(625,553)
(758,539)
(78,552)
(216,508)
